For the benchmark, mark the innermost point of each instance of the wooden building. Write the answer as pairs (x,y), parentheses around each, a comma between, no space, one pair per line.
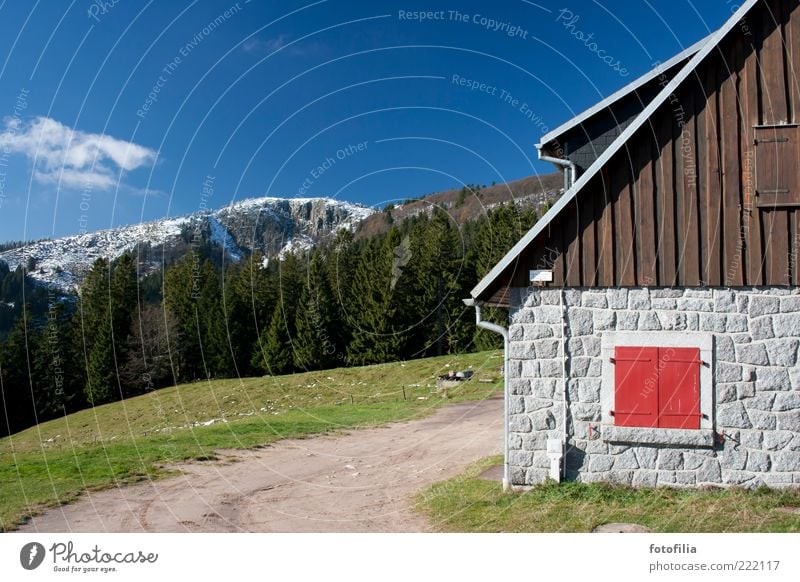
(654,309)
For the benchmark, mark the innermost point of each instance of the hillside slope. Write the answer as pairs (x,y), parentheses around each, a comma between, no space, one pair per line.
(470,203)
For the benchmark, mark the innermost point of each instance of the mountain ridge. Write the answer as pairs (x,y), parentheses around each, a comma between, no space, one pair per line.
(272,226)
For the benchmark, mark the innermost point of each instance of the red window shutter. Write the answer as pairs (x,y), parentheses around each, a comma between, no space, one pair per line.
(635,386)
(679,388)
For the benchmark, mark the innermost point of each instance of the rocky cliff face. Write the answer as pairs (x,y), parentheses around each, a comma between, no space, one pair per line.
(280,225)
(273,226)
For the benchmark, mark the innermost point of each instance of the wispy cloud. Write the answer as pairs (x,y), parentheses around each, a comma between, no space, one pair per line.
(263,46)
(72,157)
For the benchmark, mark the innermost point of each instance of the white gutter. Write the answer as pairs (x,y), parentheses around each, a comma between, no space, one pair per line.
(569,168)
(493,327)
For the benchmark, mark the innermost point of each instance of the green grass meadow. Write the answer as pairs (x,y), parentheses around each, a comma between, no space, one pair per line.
(139,438)
(468,503)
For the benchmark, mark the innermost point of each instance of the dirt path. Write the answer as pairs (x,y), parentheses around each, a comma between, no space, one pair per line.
(357,482)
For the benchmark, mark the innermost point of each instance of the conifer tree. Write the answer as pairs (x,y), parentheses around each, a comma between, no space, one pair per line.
(124,304)
(274,350)
(16,377)
(102,383)
(340,260)
(213,327)
(274,355)
(374,303)
(249,297)
(315,342)
(56,367)
(182,289)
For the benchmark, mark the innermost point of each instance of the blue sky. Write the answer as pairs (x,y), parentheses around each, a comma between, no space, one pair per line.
(117,112)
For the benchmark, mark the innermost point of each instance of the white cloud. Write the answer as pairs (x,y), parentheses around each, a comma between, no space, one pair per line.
(72,157)
(258,45)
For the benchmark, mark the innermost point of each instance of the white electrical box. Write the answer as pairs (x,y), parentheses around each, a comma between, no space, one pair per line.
(541,276)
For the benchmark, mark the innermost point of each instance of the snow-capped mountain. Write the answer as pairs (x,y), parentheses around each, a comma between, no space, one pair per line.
(273,226)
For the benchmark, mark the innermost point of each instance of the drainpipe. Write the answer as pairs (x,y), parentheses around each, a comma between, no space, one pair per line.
(493,327)
(569,168)
(565,384)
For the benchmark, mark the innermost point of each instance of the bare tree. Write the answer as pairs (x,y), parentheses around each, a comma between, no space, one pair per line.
(147,366)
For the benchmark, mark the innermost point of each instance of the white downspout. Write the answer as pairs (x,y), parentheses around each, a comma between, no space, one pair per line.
(565,385)
(569,168)
(504,332)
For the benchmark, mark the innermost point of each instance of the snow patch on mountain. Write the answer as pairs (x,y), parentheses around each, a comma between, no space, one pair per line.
(221,236)
(273,226)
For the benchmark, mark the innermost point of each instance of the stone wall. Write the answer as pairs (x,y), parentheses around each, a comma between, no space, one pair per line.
(756,384)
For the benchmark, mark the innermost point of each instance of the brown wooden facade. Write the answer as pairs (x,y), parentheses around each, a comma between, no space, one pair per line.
(707,192)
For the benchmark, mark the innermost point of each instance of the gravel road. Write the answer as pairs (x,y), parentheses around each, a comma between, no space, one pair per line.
(360,481)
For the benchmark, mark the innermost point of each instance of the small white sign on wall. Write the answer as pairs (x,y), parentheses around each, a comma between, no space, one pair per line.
(541,276)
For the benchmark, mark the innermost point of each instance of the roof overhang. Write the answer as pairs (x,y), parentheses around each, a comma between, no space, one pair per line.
(711,43)
(640,82)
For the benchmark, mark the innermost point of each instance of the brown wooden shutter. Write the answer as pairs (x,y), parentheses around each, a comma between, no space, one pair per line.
(777,166)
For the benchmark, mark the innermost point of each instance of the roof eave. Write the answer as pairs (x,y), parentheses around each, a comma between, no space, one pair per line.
(584,179)
(639,82)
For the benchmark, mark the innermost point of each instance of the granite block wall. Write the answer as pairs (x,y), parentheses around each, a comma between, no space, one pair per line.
(556,339)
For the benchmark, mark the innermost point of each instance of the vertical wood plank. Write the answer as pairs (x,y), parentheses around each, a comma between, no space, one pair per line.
(604,210)
(572,245)
(703,161)
(711,206)
(666,202)
(555,239)
(776,237)
(587,235)
(644,211)
(688,223)
(792,27)
(730,136)
(795,247)
(751,222)
(623,219)
(773,86)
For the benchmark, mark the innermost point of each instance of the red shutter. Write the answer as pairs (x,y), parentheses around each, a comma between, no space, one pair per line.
(635,386)
(679,387)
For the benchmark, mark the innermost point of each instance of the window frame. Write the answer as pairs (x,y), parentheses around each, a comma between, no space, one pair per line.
(702,437)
